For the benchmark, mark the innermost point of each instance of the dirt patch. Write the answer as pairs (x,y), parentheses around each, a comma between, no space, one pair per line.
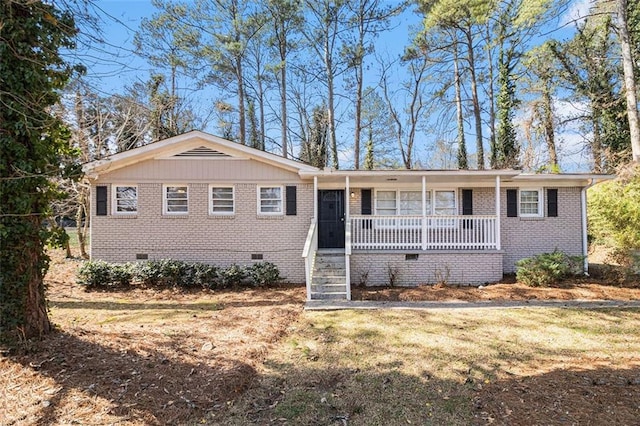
(141,356)
(577,288)
(587,395)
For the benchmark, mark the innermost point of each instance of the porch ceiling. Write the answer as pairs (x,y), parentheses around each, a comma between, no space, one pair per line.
(363,179)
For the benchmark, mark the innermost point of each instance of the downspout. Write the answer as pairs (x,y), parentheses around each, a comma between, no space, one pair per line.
(585,242)
(498,226)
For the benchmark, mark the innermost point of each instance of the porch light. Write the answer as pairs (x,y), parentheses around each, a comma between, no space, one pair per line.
(353,194)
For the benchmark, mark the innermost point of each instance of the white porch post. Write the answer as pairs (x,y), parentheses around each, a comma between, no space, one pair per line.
(315,198)
(498,237)
(347,236)
(424,213)
(347,198)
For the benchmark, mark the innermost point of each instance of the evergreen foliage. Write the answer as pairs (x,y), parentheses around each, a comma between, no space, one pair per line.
(614,214)
(34,145)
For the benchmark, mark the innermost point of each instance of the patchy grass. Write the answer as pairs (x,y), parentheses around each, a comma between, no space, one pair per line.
(525,366)
(141,357)
(144,357)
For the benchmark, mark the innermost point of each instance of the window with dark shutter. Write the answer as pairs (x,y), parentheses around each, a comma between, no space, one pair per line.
(552,202)
(101,200)
(291,200)
(467,207)
(365,206)
(512,203)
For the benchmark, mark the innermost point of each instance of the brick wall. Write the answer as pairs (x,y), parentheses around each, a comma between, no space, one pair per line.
(201,237)
(452,267)
(525,237)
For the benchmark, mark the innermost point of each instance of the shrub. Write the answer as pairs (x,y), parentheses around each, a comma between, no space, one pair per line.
(167,272)
(201,275)
(264,274)
(163,272)
(103,274)
(547,268)
(614,214)
(232,276)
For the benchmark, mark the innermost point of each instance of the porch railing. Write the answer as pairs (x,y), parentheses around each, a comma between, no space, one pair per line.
(309,254)
(423,233)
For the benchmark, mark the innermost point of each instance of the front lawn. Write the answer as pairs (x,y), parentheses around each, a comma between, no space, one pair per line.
(466,366)
(145,356)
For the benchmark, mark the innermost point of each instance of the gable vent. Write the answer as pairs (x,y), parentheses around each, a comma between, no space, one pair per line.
(202,151)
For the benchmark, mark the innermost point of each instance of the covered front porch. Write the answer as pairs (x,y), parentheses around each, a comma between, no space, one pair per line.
(387,216)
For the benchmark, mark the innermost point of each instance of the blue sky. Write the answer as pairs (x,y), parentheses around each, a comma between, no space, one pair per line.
(115,67)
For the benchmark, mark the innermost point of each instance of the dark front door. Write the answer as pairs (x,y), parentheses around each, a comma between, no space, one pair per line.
(331,218)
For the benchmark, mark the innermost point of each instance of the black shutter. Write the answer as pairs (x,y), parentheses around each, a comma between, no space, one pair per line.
(552,202)
(101,200)
(512,203)
(291,201)
(467,207)
(467,202)
(365,207)
(365,201)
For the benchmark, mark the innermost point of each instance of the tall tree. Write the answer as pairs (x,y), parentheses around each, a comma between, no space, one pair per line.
(622,28)
(324,26)
(407,106)
(462,144)
(34,144)
(467,20)
(589,71)
(314,149)
(366,19)
(286,20)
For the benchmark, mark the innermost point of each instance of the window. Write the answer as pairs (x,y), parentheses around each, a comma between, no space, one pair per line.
(221,200)
(176,199)
(125,199)
(530,203)
(386,203)
(270,200)
(445,203)
(410,203)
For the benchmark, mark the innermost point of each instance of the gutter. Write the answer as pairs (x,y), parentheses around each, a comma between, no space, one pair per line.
(585,243)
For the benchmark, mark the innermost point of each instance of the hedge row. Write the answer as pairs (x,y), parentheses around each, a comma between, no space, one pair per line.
(176,273)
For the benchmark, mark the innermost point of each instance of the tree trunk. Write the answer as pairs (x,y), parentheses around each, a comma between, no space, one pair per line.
(241,112)
(596,144)
(492,110)
(358,114)
(462,148)
(283,101)
(629,81)
(477,114)
(36,322)
(548,125)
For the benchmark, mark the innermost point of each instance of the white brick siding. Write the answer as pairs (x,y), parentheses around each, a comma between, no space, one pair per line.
(200,237)
(452,267)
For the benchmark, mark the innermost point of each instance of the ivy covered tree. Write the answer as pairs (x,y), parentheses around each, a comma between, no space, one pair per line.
(34,144)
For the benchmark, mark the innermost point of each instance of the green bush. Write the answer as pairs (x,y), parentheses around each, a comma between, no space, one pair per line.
(103,274)
(201,275)
(614,214)
(264,274)
(547,268)
(176,273)
(232,276)
(163,272)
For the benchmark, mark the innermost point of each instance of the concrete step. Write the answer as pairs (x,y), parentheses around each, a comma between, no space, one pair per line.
(328,280)
(329,295)
(329,287)
(333,272)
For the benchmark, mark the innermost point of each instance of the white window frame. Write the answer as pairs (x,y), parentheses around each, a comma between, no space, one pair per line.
(165,207)
(114,199)
(431,211)
(259,199)
(540,212)
(233,200)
